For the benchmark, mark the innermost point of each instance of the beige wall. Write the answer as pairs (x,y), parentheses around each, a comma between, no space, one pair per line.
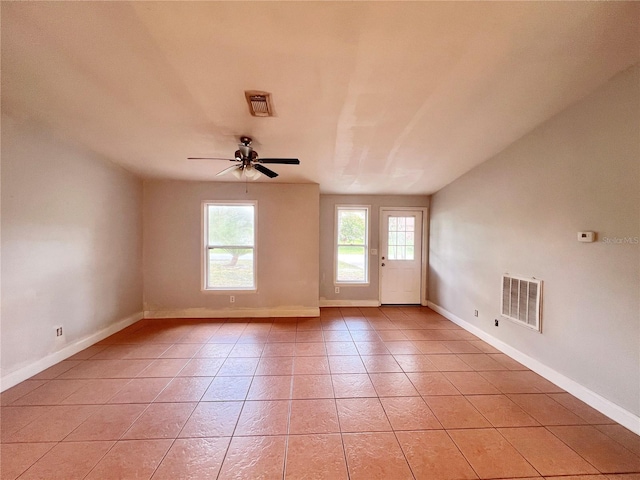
(287,249)
(520,212)
(71,245)
(352,293)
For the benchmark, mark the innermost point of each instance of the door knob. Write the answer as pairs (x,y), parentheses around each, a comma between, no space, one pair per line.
(383,264)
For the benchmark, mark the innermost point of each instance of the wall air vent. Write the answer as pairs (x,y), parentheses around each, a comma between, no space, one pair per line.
(259,103)
(521,300)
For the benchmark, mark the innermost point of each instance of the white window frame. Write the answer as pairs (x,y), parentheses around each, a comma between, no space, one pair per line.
(336,245)
(205,246)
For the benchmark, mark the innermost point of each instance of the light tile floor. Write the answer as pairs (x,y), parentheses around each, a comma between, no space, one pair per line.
(370,393)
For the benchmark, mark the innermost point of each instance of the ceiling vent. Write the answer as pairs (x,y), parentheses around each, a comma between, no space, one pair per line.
(259,103)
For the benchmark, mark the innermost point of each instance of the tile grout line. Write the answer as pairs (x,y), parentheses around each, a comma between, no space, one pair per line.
(290,400)
(335,403)
(393,430)
(224,457)
(137,418)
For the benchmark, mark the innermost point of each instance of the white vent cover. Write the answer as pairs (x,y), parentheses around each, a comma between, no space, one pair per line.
(259,103)
(521,300)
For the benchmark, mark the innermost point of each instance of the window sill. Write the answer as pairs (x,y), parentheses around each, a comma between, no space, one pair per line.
(217,291)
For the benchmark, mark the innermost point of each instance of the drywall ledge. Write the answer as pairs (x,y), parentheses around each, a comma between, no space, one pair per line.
(349,303)
(233,312)
(24,373)
(604,406)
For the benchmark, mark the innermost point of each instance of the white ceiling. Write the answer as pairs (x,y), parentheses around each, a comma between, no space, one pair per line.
(373,97)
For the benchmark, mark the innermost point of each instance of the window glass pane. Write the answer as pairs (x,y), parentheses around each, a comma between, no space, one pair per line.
(230,267)
(231,225)
(410,253)
(230,255)
(351,264)
(352,227)
(400,223)
(351,248)
(392,224)
(392,238)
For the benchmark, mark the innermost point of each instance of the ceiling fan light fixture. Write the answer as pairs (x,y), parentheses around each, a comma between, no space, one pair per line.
(260,104)
(251,173)
(237,173)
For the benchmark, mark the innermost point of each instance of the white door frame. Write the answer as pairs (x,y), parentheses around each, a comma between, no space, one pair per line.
(424,268)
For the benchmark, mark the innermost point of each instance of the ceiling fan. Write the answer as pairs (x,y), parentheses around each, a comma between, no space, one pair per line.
(248,163)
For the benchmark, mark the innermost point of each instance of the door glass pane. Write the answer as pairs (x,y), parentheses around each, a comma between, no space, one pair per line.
(401,233)
(408,238)
(410,224)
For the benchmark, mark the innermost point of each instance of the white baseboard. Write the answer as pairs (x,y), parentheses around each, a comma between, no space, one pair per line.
(604,406)
(234,312)
(11,379)
(349,303)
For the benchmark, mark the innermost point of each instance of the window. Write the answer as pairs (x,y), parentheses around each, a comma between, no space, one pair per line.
(352,259)
(230,252)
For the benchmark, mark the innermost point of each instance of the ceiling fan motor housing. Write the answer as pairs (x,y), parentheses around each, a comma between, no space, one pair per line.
(246,152)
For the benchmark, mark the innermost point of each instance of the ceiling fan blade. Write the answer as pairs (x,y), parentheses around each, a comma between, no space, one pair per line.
(213,158)
(227,170)
(266,171)
(283,161)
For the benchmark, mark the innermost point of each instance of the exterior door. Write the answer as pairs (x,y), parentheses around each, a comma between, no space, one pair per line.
(401,257)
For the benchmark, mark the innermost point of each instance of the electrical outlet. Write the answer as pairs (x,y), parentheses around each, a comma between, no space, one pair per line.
(232,299)
(475,313)
(58,331)
(496,322)
(337,289)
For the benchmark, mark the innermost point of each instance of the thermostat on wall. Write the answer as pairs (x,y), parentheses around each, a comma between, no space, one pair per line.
(586,237)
